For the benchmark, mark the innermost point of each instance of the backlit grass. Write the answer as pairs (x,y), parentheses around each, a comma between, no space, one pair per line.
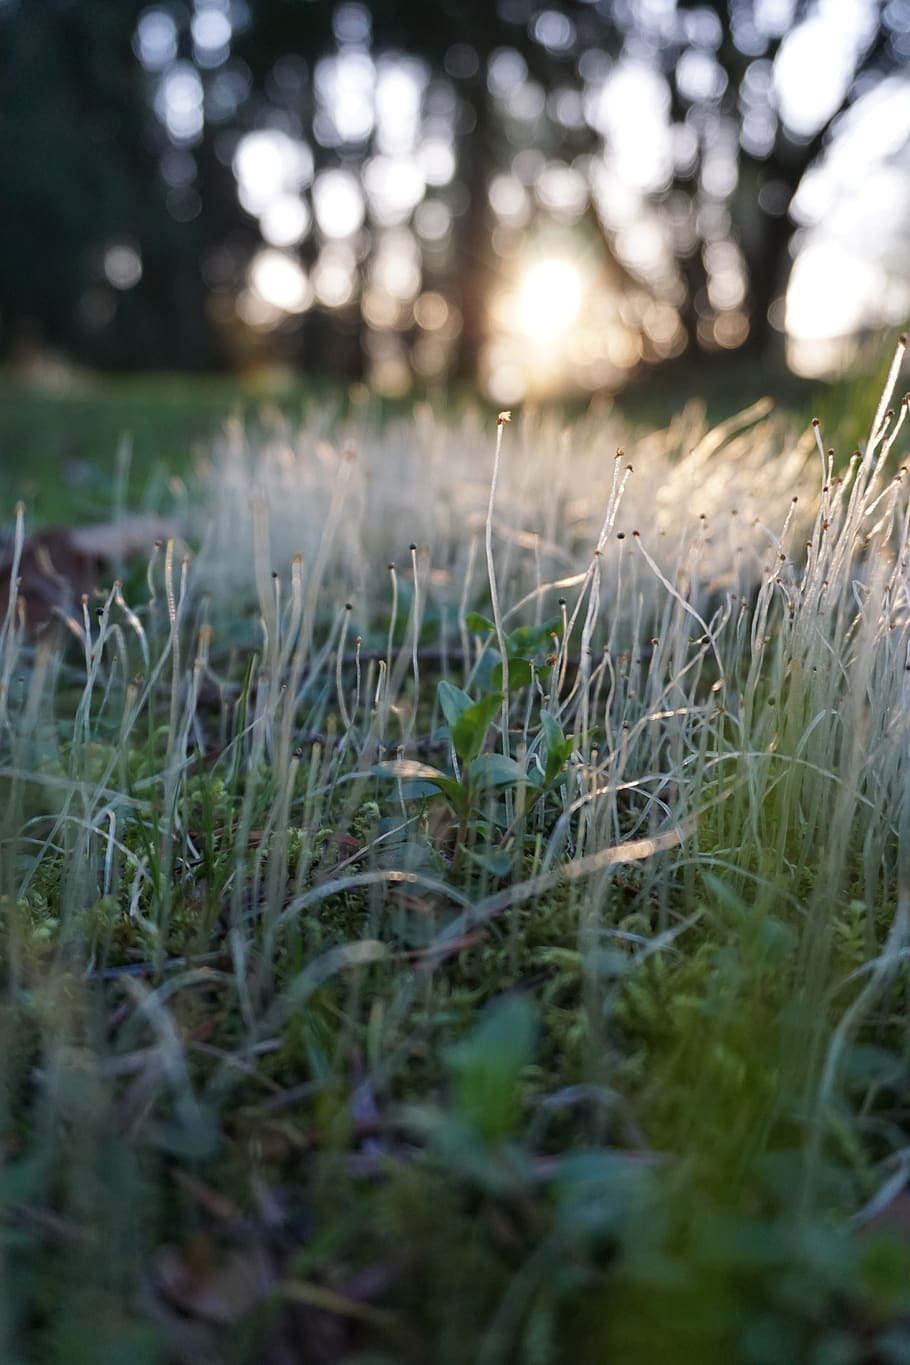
(397,973)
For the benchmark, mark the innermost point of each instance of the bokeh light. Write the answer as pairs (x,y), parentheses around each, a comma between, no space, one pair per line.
(280,281)
(179,103)
(269,165)
(549,298)
(122,265)
(155,41)
(339,203)
(549,199)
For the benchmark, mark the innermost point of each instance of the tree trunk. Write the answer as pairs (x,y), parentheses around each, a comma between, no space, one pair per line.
(768,256)
(474,252)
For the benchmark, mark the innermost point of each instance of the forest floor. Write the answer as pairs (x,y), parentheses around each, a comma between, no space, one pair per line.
(454,883)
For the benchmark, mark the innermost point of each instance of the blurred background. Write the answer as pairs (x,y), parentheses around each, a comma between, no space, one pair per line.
(540,198)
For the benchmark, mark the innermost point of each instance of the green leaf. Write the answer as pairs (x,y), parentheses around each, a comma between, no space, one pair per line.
(452,790)
(606,963)
(519,674)
(488,1066)
(470,729)
(422,789)
(558,747)
(495,770)
(555,759)
(453,702)
(474,621)
(496,862)
(597,1190)
(409,770)
(552,730)
(884,1271)
(483,671)
(533,639)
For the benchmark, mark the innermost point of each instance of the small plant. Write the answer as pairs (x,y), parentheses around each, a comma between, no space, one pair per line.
(477,773)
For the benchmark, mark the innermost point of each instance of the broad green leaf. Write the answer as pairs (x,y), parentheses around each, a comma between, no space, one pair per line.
(726,897)
(451,789)
(555,759)
(776,939)
(533,639)
(422,789)
(453,702)
(496,862)
(470,729)
(483,672)
(605,963)
(597,1190)
(495,770)
(474,621)
(519,674)
(409,770)
(552,730)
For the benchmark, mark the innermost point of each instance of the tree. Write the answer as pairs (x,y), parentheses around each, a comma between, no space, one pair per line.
(126,243)
(91,259)
(774,159)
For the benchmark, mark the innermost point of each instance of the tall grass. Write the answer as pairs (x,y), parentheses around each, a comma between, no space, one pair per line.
(408,982)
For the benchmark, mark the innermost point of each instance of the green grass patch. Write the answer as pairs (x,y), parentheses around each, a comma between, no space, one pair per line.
(462,917)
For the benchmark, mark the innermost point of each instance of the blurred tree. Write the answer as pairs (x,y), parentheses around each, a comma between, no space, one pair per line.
(456,39)
(91,259)
(743,42)
(659,142)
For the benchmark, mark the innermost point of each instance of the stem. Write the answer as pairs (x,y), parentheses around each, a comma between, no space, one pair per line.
(494,595)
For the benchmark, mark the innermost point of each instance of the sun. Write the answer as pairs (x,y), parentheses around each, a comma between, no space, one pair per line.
(550,295)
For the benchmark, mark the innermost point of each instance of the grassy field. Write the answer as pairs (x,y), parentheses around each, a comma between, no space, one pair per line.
(455,898)
(62,433)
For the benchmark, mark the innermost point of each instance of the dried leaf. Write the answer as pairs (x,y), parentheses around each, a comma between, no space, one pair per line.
(126,538)
(59,566)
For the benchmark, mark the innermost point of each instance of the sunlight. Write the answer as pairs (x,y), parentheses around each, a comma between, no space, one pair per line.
(816,63)
(280,281)
(549,298)
(285,220)
(345,93)
(339,204)
(815,311)
(630,110)
(179,103)
(269,164)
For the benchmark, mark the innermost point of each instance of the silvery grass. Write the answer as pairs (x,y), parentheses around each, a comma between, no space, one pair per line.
(732,669)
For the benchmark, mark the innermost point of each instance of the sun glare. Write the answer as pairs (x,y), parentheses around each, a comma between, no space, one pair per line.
(549,298)
(279,281)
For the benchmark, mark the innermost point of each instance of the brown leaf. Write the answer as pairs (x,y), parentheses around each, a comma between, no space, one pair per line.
(53,575)
(58,566)
(127,538)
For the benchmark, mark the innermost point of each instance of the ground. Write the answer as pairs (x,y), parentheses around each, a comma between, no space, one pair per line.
(342,1022)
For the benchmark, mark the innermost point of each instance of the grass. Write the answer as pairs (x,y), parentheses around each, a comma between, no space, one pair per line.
(63,434)
(392,974)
